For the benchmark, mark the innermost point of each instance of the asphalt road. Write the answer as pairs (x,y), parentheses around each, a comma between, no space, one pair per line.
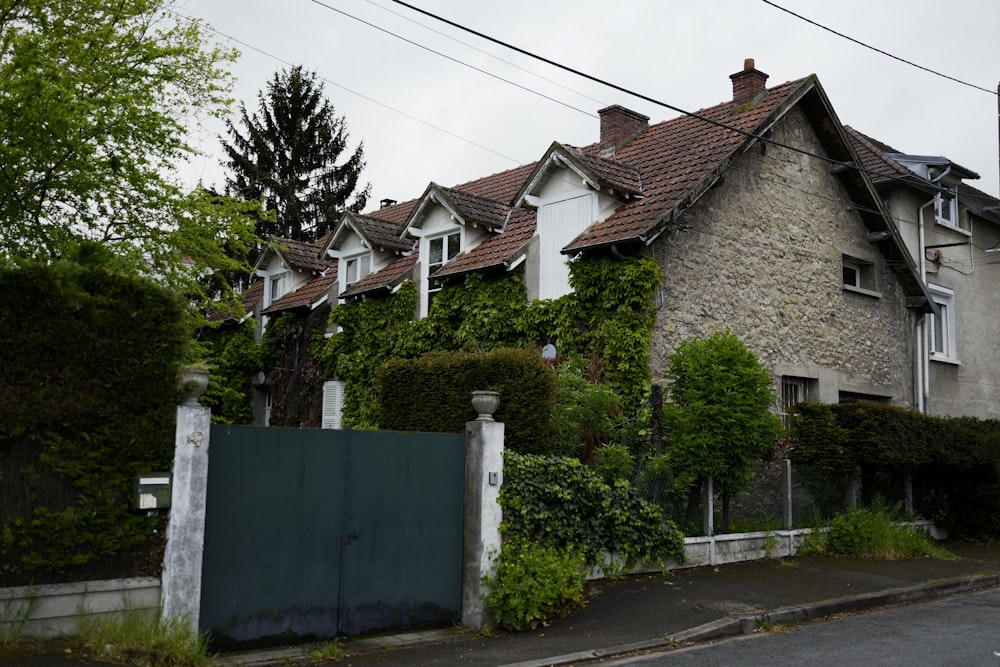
(962,630)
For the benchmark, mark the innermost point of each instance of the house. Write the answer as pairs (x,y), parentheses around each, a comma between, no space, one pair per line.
(766,216)
(950,229)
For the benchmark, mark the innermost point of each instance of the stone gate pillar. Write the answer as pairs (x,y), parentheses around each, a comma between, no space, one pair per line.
(483,477)
(181,585)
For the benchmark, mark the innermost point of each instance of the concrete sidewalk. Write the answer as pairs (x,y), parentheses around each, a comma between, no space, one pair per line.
(657,611)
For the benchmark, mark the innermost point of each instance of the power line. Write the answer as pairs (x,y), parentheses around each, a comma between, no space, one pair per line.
(486,53)
(877,50)
(454,60)
(350,90)
(633,93)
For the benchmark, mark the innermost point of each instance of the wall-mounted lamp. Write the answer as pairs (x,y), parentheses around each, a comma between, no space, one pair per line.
(875,237)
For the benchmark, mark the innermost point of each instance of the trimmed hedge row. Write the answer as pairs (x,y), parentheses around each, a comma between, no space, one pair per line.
(955,461)
(88,395)
(433,394)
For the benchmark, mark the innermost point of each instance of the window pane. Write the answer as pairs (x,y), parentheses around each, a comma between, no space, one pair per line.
(364,266)
(437,252)
(454,243)
(351,275)
(850,275)
(940,342)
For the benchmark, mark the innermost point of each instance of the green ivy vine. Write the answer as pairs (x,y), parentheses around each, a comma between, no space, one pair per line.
(609,315)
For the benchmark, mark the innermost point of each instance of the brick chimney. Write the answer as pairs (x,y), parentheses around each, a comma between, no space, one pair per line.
(748,84)
(619,126)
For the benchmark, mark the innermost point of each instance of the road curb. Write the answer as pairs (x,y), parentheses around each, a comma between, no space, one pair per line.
(747,624)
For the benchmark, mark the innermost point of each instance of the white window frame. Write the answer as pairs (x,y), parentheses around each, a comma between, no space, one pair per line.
(947,212)
(865,276)
(448,254)
(355,268)
(942,342)
(276,287)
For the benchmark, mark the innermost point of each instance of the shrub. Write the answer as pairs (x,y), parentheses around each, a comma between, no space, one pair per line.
(878,532)
(560,502)
(88,398)
(433,394)
(532,583)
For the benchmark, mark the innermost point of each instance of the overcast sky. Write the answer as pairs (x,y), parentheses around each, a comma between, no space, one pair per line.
(425,117)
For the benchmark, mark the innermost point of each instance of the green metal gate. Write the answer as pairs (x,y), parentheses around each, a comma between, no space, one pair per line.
(326,533)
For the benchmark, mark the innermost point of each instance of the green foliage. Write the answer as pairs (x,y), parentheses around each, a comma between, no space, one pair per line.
(476,314)
(878,532)
(719,415)
(371,331)
(609,315)
(286,155)
(439,385)
(610,318)
(955,462)
(560,502)
(136,638)
(614,462)
(237,358)
(532,584)
(96,103)
(87,402)
(293,361)
(587,413)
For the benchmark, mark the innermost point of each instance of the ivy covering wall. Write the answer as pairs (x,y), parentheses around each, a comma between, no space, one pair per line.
(88,396)
(609,316)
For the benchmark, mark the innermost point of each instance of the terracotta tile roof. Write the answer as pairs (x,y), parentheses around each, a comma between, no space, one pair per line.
(397,214)
(502,186)
(473,208)
(252,295)
(497,250)
(678,159)
(385,278)
(306,295)
(873,158)
(619,176)
(301,254)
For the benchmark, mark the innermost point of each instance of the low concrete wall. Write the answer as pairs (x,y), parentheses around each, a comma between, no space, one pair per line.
(719,549)
(737,547)
(55,610)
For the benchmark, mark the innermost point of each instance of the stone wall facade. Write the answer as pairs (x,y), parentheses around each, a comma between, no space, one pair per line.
(761,254)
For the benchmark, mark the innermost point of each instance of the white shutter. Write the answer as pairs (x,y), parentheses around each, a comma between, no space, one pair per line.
(558,224)
(333,403)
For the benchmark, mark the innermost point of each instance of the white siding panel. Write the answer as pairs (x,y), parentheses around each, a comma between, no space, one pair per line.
(559,223)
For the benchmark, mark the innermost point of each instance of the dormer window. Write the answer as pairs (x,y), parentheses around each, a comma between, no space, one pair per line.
(356,268)
(946,211)
(276,287)
(442,250)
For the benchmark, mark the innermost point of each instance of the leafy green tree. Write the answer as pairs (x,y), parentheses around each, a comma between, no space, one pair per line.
(719,413)
(95,101)
(286,154)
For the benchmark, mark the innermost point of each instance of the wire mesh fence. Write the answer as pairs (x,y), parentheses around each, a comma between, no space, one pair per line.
(782,495)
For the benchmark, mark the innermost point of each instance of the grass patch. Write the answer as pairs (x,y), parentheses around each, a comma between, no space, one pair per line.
(13,615)
(328,652)
(134,638)
(879,532)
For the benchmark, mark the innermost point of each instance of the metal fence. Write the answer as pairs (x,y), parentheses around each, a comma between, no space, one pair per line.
(782,496)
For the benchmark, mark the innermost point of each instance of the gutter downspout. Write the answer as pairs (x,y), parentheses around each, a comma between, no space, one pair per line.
(923,333)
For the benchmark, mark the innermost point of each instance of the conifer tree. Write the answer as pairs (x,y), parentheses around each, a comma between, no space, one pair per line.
(286,153)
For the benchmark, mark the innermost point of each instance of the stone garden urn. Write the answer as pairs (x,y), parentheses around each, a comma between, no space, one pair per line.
(485,403)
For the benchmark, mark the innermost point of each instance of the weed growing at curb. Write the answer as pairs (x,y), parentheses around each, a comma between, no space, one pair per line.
(134,638)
